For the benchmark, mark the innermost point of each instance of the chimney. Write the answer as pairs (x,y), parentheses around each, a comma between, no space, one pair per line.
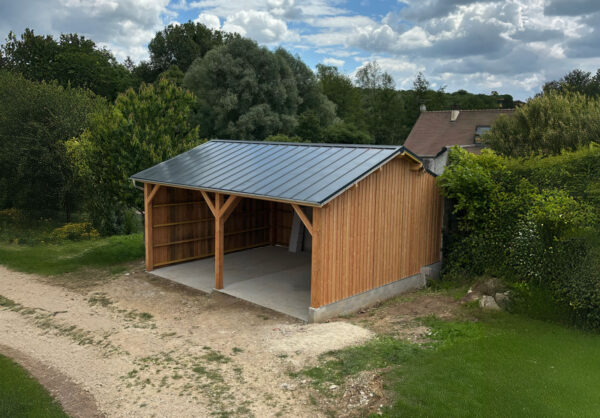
(454,113)
(422,107)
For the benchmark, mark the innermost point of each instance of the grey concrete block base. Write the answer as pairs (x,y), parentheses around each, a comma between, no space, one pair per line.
(432,271)
(355,303)
(370,297)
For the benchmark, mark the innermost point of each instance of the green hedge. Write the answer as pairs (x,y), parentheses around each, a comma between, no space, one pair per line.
(532,222)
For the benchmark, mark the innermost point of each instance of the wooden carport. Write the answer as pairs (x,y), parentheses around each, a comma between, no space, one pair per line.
(373,212)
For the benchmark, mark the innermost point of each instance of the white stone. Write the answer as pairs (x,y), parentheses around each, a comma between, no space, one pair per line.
(488,302)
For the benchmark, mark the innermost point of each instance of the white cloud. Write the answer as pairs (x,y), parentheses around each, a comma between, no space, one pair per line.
(260,26)
(208,20)
(334,61)
(123,26)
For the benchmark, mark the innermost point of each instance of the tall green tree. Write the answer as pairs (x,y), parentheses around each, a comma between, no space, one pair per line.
(576,81)
(181,44)
(36,120)
(73,60)
(338,88)
(143,128)
(382,104)
(247,92)
(547,125)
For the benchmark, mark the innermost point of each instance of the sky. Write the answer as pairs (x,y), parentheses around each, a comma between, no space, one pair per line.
(511,46)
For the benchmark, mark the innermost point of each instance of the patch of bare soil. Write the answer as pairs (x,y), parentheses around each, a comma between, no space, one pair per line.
(142,346)
(400,315)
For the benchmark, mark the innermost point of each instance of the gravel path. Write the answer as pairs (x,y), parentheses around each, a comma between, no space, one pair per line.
(141,346)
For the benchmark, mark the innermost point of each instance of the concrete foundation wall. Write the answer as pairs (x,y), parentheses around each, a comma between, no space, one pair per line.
(354,303)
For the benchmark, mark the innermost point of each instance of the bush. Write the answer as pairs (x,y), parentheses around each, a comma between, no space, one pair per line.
(516,224)
(74,232)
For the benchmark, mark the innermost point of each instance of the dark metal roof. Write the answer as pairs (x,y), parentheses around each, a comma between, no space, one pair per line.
(305,173)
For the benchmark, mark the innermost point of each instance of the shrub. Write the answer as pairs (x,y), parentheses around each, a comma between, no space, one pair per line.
(516,224)
(74,232)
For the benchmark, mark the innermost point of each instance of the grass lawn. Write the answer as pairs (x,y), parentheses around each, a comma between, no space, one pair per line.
(69,256)
(22,396)
(500,366)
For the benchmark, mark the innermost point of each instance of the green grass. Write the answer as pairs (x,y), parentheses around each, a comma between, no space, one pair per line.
(70,256)
(500,366)
(22,396)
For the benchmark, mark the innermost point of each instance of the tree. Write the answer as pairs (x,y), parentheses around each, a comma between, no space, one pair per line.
(420,86)
(315,111)
(576,81)
(36,119)
(248,92)
(547,125)
(382,105)
(72,61)
(339,89)
(143,128)
(181,44)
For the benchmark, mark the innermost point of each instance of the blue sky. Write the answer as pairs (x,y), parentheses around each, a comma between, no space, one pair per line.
(512,46)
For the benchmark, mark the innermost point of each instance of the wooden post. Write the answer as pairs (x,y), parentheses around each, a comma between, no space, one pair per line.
(219,241)
(150,191)
(221,211)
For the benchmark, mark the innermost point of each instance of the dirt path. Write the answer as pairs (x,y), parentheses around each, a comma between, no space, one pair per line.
(140,346)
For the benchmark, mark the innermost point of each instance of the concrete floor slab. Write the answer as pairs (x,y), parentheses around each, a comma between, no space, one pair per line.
(268,276)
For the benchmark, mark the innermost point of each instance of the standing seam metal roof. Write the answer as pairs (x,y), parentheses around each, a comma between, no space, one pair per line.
(305,173)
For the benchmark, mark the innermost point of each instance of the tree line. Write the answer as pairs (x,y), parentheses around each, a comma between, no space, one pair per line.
(75,123)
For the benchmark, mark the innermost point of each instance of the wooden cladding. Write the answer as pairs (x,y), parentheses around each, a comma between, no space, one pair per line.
(383,230)
(183,226)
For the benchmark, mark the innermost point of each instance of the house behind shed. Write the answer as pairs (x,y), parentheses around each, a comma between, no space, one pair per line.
(371,215)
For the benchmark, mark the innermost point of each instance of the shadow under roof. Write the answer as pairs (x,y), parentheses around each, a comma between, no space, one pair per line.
(304,173)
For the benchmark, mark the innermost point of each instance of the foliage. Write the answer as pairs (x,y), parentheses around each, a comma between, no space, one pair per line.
(579,81)
(36,119)
(248,92)
(74,232)
(514,222)
(22,396)
(547,125)
(71,256)
(284,138)
(143,128)
(345,133)
(339,89)
(381,104)
(72,61)
(181,44)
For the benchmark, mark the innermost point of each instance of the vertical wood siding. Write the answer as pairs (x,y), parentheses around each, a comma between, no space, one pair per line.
(383,230)
(183,227)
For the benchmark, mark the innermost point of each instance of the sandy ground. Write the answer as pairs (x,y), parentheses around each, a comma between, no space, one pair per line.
(136,345)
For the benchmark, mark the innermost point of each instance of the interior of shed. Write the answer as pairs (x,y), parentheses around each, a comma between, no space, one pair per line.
(267,249)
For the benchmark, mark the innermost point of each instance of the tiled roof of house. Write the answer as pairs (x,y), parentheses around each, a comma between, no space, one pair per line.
(434,130)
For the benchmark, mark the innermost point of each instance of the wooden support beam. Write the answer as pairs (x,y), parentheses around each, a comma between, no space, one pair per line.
(219,241)
(153,192)
(229,206)
(209,202)
(303,218)
(148,226)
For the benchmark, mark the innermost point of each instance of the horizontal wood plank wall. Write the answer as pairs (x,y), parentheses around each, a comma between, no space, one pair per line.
(383,230)
(184,227)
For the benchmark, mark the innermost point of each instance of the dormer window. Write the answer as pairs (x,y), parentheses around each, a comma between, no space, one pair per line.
(479,131)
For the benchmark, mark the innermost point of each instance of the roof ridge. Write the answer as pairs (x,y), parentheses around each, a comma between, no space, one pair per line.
(310,144)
